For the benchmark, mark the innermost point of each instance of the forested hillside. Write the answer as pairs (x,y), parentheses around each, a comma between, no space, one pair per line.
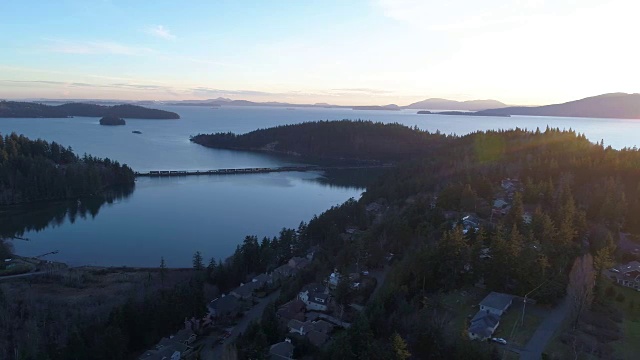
(14,109)
(572,199)
(36,170)
(354,140)
(576,195)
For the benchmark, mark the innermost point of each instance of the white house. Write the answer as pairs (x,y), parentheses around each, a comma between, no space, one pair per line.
(496,303)
(315,297)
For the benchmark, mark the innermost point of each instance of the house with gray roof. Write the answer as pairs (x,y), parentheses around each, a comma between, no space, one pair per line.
(317,338)
(224,306)
(483,325)
(245,291)
(496,303)
(281,351)
(263,280)
(284,271)
(627,275)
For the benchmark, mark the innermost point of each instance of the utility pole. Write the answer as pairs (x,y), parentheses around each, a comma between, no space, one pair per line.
(524,304)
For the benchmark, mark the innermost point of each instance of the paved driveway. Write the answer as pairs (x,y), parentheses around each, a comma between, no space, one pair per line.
(546,330)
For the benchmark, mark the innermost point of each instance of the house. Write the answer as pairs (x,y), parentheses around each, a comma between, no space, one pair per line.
(510,186)
(496,303)
(323,326)
(352,230)
(281,351)
(284,271)
(468,223)
(315,297)
(263,280)
(628,275)
(317,338)
(184,336)
(294,309)
(499,204)
(334,279)
(299,263)
(299,327)
(164,354)
(244,291)
(483,325)
(374,207)
(224,306)
(166,349)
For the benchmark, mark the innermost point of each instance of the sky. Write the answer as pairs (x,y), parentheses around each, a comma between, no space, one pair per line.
(346,52)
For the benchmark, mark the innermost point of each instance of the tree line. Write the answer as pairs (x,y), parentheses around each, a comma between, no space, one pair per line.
(336,140)
(36,170)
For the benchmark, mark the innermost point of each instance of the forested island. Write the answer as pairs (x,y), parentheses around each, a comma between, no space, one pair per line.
(112,120)
(536,214)
(15,109)
(336,140)
(36,170)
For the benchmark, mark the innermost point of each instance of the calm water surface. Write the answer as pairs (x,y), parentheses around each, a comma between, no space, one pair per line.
(174,217)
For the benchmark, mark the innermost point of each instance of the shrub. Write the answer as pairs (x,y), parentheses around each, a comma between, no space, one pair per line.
(620,298)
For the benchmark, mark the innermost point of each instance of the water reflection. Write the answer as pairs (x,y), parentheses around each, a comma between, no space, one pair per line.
(17,220)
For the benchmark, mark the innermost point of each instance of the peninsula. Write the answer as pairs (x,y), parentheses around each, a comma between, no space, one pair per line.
(341,140)
(15,109)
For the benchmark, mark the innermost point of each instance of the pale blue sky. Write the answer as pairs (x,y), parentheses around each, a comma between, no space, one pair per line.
(343,52)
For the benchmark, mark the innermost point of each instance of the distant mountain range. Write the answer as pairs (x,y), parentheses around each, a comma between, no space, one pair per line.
(434,103)
(444,104)
(614,105)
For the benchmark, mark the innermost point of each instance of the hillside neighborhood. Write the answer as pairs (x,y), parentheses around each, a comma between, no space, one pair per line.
(317,311)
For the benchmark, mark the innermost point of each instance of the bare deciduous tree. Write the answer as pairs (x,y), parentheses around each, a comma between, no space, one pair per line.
(580,288)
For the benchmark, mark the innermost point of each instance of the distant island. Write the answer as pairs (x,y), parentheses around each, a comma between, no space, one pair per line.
(444,104)
(342,140)
(434,103)
(463,113)
(615,105)
(15,109)
(112,120)
(376,107)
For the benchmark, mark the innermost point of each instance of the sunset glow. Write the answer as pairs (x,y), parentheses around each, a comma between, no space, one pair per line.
(356,52)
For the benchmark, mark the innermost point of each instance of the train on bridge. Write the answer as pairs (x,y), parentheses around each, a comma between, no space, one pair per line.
(157,173)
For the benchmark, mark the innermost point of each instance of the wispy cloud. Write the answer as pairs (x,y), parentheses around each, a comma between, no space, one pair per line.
(160,31)
(94,47)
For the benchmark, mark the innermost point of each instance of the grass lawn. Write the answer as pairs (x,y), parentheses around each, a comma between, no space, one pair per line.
(629,347)
(511,323)
(463,304)
(628,301)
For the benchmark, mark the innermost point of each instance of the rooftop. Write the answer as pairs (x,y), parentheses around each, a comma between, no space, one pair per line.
(316,337)
(282,350)
(497,300)
(629,267)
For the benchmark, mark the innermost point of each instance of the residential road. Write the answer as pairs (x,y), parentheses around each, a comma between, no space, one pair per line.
(209,352)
